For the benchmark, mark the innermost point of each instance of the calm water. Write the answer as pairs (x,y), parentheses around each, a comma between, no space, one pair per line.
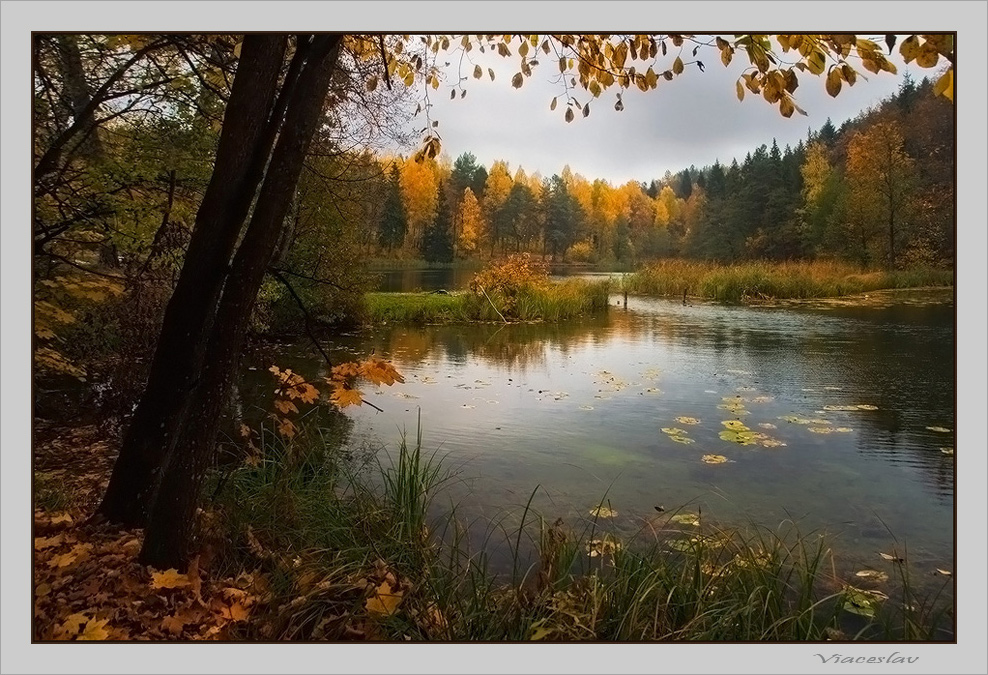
(407,281)
(575,413)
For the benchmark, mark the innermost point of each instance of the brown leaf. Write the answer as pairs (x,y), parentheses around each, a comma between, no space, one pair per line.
(41,543)
(173,625)
(70,626)
(385,601)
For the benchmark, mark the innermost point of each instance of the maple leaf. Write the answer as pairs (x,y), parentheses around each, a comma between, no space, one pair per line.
(286,428)
(70,626)
(173,625)
(385,601)
(232,612)
(244,431)
(346,370)
(343,397)
(380,371)
(95,630)
(284,406)
(78,552)
(41,543)
(307,392)
(170,579)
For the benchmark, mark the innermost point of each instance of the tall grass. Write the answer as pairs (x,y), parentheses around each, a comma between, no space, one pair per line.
(551,303)
(753,281)
(333,532)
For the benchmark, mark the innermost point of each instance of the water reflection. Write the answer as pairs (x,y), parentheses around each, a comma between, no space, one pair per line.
(576,409)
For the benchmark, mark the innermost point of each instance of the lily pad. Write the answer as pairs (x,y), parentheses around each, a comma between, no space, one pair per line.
(735,425)
(687,420)
(739,437)
(735,409)
(685,440)
(941,430)
(673,431)
(820,430)
(686,519)
(713,459)
(603,512)
(840,408)
(872,575)
(770,443)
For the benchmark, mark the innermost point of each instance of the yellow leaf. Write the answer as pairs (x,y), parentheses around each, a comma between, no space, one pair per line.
(286,428)
(385,601)
(41,543)
(343,396)
(740,90)
(70,626)
(677,66)
(816,62)
(169,579)
(95,630)
(945,85)
(726,55)
(927,56)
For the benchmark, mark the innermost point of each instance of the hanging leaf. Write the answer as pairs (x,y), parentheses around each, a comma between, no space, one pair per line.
(945,85)
(517,80)
(552,106)
(569,115)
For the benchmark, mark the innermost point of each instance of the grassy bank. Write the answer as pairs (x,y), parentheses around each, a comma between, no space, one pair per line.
(350,554)
(753,281)
(551,303)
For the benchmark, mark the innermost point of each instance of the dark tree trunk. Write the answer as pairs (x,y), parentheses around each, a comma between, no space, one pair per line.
(169,536)
(78,95)
(240,160)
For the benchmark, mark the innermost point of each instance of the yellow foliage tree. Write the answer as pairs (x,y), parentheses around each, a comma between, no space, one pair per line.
(419,192)
(471,224)
(881,176)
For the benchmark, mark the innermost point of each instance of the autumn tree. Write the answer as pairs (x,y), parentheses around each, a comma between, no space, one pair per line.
(471,221)
(881,177)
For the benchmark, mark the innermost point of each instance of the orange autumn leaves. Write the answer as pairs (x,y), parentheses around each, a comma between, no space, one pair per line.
(343,391)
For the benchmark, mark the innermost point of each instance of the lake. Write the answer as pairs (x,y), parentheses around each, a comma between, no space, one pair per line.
(587,411)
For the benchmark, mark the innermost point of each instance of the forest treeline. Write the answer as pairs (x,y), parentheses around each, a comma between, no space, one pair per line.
(877,192)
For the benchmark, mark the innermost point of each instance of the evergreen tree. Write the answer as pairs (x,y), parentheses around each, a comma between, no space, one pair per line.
(394,221)
(437,241)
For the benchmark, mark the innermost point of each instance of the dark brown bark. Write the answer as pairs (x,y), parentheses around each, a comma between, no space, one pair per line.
(79,96)
(240,160)
(169,535)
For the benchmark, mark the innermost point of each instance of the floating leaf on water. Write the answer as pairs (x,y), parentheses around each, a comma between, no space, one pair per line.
(843,430)
(737,410)
(673,431)
(872,575)
(586,407)
(686,519)
(652,390)
(865,406)
(733,399)
(771,443)
(468,406)
(603,512)
(713,459)
(941,430)
(832,388)
(685,440)
(739,437)
(767,425)
(820,430)
(862,602)
(947,451)
(735,425)
(887,556)
(762,399)
(687,420)
(945,573)
(840,408)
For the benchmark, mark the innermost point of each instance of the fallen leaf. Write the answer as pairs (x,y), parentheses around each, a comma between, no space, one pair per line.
(603,512)
(886,556)
(170,579)
(385,601)
(946,573)
(713,459)
(687,420)
(173,625)
(872,575)
(95,630)
(41,543)
(942,430)
(71,625)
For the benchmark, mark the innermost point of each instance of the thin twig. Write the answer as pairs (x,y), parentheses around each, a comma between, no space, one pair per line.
(308,319)
(492,304)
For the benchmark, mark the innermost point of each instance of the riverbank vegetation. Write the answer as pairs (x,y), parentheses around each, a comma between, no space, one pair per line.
(757,281)
(516,288)
(312,540)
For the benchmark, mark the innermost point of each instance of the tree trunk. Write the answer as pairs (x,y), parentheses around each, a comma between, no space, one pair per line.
(169,536)
(175,369)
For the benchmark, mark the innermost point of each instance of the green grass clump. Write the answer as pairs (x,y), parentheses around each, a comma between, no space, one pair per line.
(754,281)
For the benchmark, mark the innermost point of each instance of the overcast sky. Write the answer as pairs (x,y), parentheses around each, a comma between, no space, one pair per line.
(694,119)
